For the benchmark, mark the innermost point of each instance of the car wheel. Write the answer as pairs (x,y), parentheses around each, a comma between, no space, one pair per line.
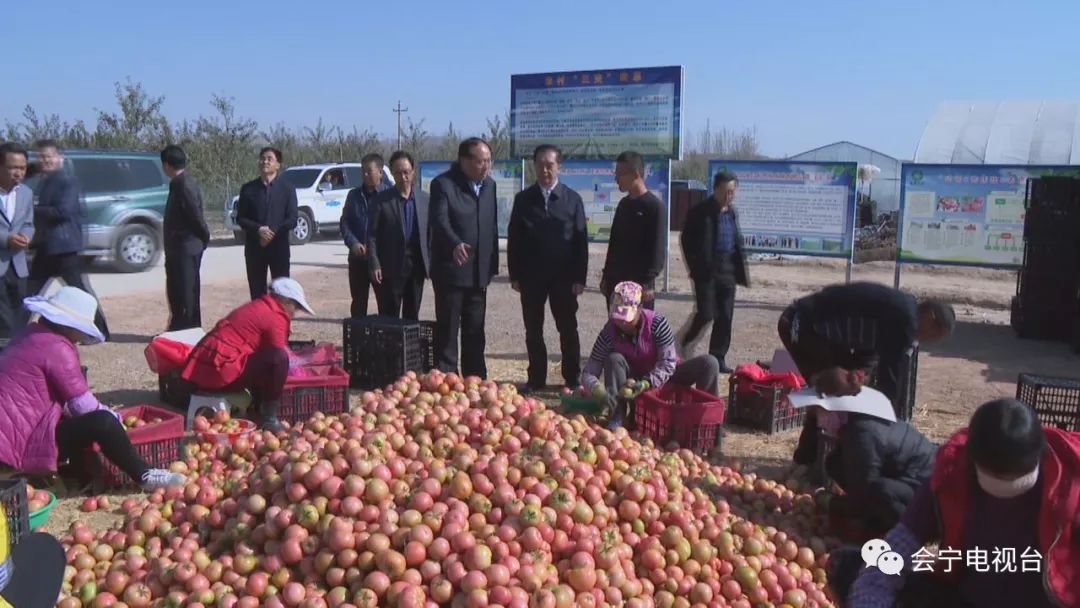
(137,248)
(239,237)
(305,228)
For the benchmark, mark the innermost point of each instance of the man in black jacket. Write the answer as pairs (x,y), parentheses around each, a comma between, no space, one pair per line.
(637,248)
(464,256)
(354,224)
(267,211)
(58,222)
(547,252)
(713,249)
(398,247)
(186,238)
(838,335)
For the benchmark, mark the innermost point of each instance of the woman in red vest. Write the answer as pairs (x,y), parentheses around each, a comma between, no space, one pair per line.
(248,350)
(1003,504)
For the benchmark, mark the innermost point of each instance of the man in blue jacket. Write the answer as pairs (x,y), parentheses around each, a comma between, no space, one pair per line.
(58,220)
(355,217)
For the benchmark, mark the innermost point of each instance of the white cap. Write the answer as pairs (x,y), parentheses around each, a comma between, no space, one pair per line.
(289,288)
(70,307)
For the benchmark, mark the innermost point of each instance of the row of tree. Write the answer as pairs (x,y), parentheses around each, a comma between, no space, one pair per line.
(222,145)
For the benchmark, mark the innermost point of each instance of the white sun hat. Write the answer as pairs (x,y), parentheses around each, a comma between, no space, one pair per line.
(67,306)
(289,288)
(869,401)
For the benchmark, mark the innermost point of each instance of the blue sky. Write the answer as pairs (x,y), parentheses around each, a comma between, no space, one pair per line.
(803,74)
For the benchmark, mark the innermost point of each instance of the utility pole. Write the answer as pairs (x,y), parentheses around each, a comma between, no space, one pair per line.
(399,111)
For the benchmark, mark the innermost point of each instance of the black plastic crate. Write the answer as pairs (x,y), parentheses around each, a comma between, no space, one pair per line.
(427,346)
(1055,192)
(1051,223)
(1048,293)
(762,407)
(173,391)
(1053,257)
(1055,400)
(379,350)
(17,507)
(904,399)
(1034,324)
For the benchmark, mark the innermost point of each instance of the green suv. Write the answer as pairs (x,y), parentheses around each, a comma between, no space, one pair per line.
(125,194)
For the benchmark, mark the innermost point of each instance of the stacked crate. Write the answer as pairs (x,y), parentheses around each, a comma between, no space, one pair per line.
(1047,302)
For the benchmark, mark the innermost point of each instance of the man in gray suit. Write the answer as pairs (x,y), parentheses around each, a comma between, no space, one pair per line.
(398,248)
(16,232)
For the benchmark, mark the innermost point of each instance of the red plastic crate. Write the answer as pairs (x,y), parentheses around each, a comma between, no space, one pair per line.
(690,417)
(304,396)
(158,444)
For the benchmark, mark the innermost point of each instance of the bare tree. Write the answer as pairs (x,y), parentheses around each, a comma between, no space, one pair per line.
(140,124)
(447,148)
(498,136)
(416,140)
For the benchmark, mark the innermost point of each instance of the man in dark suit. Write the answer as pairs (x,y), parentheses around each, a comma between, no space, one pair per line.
(713,248)
(547,253)
(58,218)
(16,232)
(355,230)
(186,237)
(398,246)
(464,256)
(267,212)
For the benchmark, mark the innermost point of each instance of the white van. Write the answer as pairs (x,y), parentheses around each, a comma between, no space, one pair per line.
(320,195)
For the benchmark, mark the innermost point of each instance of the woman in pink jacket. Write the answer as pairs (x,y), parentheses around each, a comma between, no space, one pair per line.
(47,412)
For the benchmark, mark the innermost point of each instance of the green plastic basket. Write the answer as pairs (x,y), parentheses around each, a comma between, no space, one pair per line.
(41,517)
(581,405)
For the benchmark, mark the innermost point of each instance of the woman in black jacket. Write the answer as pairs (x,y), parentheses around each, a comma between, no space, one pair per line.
(878,464)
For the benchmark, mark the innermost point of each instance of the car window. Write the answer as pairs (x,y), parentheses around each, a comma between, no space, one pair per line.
(144,173)
(354,178)
(98,175)
(336,178)
(301,178)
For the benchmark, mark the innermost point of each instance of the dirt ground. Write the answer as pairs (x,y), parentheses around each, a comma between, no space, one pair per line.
(980,361)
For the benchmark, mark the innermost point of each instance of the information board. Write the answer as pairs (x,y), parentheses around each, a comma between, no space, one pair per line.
(508,175)
(800,208)
(598,113)
(966,214)
(594,180)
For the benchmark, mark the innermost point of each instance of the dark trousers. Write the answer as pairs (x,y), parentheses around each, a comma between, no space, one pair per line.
(715,299)
(68,267)
(400,298)
(75,435)
(258,262)
(183,289)
(701,372)
(460,310)
(359,286)
(264,374)
(564,307)
(12,292)
(882,504)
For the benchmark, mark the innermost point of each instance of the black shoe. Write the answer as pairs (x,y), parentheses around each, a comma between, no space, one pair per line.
(528,389)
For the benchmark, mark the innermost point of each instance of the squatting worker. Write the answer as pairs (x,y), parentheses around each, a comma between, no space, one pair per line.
(1007,486)
(638,343)
(48,415)
(637,248)
(248,350)
(835,336)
